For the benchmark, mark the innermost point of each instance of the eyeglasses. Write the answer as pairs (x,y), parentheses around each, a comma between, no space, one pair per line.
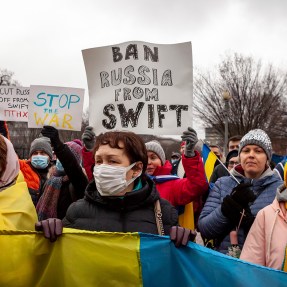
(232,163)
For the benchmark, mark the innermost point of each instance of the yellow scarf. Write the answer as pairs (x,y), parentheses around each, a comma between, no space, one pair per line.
(17,211)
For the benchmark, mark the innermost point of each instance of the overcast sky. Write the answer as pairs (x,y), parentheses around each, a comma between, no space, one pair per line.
(41,41)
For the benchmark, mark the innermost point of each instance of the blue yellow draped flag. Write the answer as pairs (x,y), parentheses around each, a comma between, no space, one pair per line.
(85,258)
(209,160)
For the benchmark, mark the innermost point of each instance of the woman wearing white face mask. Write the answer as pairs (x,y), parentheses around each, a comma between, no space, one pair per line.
(121,198)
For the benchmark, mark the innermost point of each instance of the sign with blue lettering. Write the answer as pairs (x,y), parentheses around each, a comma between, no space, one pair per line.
(14,103)
(139,86)
(56,106)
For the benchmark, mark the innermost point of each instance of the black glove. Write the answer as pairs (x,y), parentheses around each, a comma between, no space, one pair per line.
(180,236)
(89,138)
(233,211)
(242,194)
(190,138)
(51,227)
(53,134)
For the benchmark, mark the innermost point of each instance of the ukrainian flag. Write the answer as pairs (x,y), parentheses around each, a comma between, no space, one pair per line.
(209,159)
(86,258)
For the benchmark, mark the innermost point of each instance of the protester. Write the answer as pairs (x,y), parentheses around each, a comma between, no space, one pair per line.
(232,205)
(178,191)
(66,182)
(232,159)
(36,168)
(219,170)
(17,211)
(217,151)
(121,198)
(266,242)
(175,159)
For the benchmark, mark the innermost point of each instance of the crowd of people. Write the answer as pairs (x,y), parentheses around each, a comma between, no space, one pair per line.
(116,182)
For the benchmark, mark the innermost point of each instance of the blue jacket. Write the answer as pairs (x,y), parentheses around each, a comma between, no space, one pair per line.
(214,225)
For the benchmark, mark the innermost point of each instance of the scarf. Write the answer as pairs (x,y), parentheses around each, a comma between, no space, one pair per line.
(48,202)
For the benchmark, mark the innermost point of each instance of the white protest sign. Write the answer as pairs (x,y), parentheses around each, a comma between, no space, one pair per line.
(56,106)
(139,86)
(14,104)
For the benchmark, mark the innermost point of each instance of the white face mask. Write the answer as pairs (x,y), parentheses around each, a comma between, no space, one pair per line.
(111,180)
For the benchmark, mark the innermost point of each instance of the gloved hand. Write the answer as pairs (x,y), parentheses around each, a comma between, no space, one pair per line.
(52,228)
(180,236)
(233,211)
(242,194)
(53,134)
(89,138)
(190,138)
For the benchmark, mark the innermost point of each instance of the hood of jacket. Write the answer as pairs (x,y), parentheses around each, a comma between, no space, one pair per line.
(130,201)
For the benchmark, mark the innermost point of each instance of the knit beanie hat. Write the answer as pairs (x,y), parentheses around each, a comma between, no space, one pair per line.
(257,137)
(231,154)
(76,149)
(156,148)
(43,144)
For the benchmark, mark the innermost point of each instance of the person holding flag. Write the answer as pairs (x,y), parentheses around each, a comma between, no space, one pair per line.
(235,200)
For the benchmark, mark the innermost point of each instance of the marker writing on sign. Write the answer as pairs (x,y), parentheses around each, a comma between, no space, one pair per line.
(132,117)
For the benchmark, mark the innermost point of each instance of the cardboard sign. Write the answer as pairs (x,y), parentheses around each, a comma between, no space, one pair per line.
(56,106)
(139,86)
(14,104)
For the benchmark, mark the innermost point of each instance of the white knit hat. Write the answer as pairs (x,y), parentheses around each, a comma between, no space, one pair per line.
(156,148)
(257,137)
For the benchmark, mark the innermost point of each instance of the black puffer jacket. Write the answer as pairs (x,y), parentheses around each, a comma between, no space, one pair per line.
(133,212)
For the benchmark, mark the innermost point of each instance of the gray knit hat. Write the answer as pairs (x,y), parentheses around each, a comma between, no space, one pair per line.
(156,148)
(43,144)
(257,137)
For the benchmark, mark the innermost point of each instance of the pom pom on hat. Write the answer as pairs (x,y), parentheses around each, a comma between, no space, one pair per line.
(257,137)
(156,147)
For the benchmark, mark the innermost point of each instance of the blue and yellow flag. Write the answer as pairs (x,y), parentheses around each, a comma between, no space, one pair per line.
(209,160)
(85,258)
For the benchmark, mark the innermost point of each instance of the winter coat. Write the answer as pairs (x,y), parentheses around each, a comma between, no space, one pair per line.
(133,212)
(214,225)
(17,211)
(35,179)
(267,239)
(184,190)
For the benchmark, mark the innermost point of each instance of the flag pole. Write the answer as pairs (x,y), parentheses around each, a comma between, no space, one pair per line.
(221,162)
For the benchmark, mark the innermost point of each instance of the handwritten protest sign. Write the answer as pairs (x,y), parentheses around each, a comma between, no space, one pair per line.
(139,86)
(56,106)
(14,104)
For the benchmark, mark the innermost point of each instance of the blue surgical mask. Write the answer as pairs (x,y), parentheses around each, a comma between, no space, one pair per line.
(40,161)
(59,166)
